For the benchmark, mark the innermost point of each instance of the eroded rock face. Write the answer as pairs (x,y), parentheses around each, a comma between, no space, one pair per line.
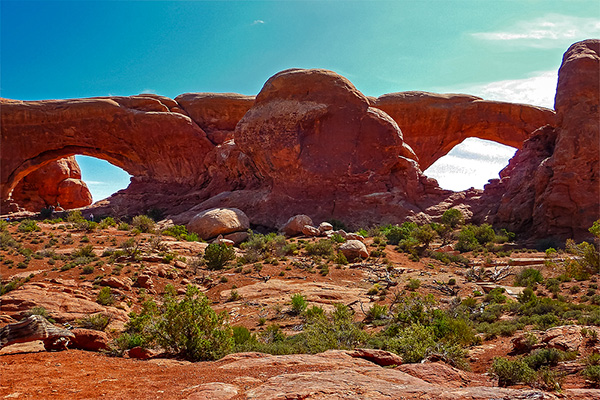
(216,113)
(551,188)
(57,183)
(432,124)
(148,136)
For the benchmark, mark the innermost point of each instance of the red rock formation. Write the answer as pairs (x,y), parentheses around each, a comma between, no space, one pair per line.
(551,188)
(147,136)
(432,124)
(57,183)
(216,113)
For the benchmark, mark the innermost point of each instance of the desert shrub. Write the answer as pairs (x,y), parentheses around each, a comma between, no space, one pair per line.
(38,310)
(176,231)
(413,284)
(107,222)
(323,248)
(130,248)
(553,285)
(85,251)
(143,223)
(394,234)
(413,343)
(126,341)
(28,225)
(240,335)
(88,269)
(189,327)
(424,235)
(495,296)
(528,277)
(218,255)
(377,312)
(335,330)
(105,297)
(123,226)
(414,309)
(299,304)
(452,217)
(12,285)
(259,247)
(338,225)
(511,372)
(466,240)
(98,322)
(7,241)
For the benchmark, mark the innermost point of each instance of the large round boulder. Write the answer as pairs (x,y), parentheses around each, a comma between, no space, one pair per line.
(218,221)
(295,225)
(354,249)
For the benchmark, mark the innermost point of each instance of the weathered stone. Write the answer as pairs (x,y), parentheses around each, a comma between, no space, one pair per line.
(324,227)
(89,339)
(237,237)
(295,224)
(309,230)
(353,249)
(219,221)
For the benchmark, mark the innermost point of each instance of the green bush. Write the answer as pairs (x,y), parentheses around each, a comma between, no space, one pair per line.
(413,284)
(395,234)
(299,304)
(528,277)
(592,373)
(189,327)
(323,248)
(218,255)
(511,372)
(413,343)
(452,217)
(259,247)
(98,322)
(143,223)
(377,312)
(105,297)
(335,330)
(28,225)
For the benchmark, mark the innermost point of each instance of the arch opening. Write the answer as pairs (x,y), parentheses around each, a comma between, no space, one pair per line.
(471,163)
(70,181)
(101,177)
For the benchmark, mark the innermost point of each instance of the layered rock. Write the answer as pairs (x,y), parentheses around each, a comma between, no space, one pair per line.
(551,188)
(432,124)
(58,183)
(148,136)
(216,113)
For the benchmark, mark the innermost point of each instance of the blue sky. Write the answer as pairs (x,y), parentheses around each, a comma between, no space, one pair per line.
(507,50)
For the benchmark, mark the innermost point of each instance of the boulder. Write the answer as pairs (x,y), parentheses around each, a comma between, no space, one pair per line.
(57,183)
(145,281)
(140,353)
(237,237)
(89,339)
(218,221)
(309,230)
(295,224)
(325,227)
(352,249)
(355,236)
(379,357)
(116,283)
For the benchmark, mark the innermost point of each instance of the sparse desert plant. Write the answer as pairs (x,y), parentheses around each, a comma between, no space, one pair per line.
(413,284)
(97,322)
(298,303)
(143,223)
(528,277)
(188,327)
(218,255)
(28,225)
(105,297)
(452,217)
(511,372)
(323,248)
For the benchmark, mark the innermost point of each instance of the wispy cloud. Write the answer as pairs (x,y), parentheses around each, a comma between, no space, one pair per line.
(538,89)
(148,91)
(258,22)
(548,31)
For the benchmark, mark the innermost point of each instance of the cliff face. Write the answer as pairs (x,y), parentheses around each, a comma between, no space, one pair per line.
(311,143)
(551,187)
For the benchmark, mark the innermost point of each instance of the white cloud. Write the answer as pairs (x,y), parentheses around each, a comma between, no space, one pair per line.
(258,22)
(470,164)
(538,89)
(148,91)
(550,30)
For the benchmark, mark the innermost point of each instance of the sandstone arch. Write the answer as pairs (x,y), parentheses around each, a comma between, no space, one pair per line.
(148,136)
(432,124)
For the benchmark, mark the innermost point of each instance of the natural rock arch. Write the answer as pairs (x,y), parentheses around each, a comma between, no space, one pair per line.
(432,124)
(148,136)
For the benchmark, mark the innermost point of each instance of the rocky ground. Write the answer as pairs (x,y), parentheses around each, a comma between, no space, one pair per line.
(64,269)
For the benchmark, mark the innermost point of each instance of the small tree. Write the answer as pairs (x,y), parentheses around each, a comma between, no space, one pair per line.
(452,217)
(189,327)
(217,255)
